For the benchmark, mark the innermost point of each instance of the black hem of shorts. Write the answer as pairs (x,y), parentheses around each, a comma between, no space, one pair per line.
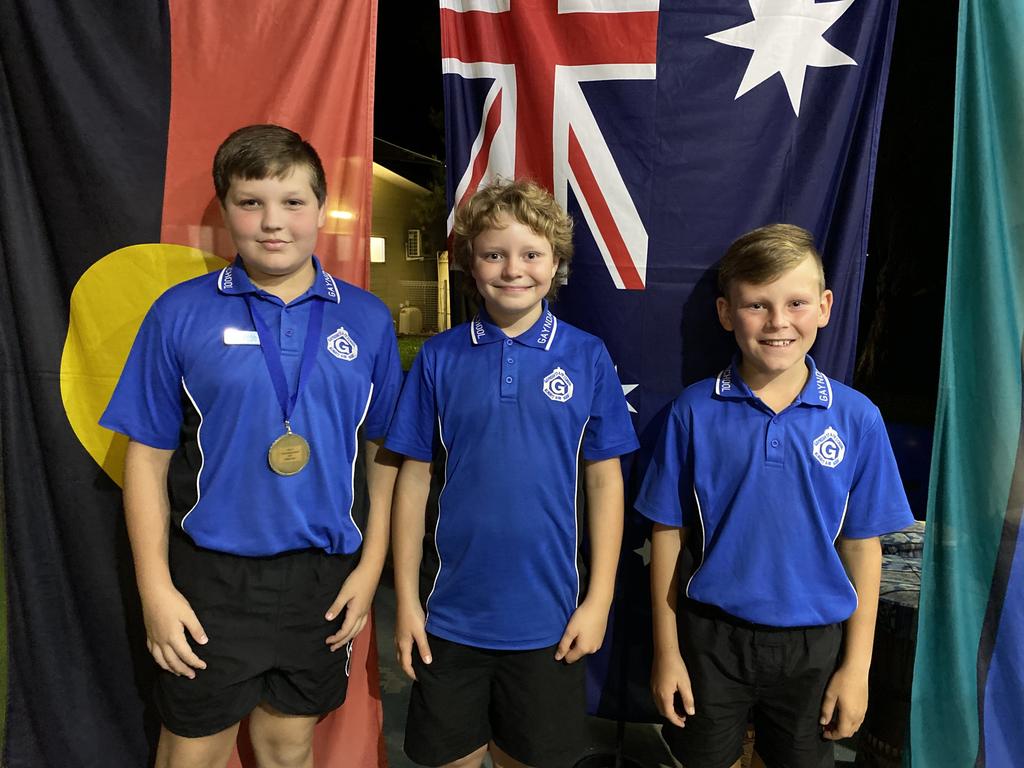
(198,733)
(669,731)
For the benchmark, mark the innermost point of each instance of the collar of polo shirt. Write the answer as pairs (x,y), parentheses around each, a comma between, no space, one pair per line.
(817,392)
(540,335)
(234,281)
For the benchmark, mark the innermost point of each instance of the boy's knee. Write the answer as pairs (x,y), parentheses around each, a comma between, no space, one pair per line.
(282,751)
(281,741)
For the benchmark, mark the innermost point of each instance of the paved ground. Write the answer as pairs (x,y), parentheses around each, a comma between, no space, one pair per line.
(642,744)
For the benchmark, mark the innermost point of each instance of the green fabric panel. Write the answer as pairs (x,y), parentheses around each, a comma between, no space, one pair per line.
(979,409)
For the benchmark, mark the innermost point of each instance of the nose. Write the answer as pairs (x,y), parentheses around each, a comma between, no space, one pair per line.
(777,318)
(271,221)
(511,268)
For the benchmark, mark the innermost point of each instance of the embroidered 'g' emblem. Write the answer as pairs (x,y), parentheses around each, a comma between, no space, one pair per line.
(558,385)
(829,449)
(341,345)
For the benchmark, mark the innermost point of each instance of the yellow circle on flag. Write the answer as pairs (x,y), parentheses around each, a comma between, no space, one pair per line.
(107,307)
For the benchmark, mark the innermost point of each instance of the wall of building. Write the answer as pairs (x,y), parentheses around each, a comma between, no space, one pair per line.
(399,280)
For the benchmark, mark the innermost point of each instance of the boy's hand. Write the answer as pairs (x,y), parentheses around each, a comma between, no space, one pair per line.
(410,630)
(167,615)
(844,704)
(669,678)
(584,633)
(354,597)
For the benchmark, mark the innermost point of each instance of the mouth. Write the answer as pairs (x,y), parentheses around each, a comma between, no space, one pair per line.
(777,343)
(273,244)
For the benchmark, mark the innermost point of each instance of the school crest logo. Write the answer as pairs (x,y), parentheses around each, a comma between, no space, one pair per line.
(558,386)
(341,345)
(829,448)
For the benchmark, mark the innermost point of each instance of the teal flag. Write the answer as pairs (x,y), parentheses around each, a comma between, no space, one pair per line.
(967,706)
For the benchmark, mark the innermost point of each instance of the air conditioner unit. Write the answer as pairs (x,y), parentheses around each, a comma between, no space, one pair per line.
(413,245)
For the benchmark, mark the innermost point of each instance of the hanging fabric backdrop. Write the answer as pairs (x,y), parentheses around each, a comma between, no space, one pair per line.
(969,672)
(668,129)
(109,117)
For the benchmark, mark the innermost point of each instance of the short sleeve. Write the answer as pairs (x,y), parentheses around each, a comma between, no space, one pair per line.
(412,429)
(610,430)
(387,383)
(878,504)
(666,495)
(146,404)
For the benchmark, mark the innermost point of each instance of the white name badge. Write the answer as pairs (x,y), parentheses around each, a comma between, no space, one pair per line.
(235,336)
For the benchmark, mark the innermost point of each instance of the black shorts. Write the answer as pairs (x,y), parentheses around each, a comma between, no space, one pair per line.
(737,669)
(264,617)
(527,703)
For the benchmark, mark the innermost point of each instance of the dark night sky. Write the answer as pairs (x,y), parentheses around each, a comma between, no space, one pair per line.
(408,83)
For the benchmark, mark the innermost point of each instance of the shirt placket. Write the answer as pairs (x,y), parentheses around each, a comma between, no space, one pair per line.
(509,370)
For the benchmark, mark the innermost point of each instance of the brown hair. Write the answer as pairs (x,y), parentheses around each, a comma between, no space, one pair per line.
(764,254)
(523,200)
(266,151)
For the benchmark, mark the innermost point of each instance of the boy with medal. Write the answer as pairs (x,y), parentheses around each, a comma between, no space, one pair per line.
(518,412)
(256,496)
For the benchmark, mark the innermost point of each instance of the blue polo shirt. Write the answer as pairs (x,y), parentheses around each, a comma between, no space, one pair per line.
(196,381)
(510,419)
(768,494)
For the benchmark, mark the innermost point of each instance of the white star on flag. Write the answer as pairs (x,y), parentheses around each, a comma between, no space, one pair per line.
(786,37)
(626,389)
(645,551)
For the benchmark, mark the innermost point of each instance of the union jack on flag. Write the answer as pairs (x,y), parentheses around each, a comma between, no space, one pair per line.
(530,61)
(667,129)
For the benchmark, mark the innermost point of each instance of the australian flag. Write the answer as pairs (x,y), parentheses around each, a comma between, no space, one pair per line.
(668,129)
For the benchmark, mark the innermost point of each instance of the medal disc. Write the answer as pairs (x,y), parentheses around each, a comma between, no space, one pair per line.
(288,454)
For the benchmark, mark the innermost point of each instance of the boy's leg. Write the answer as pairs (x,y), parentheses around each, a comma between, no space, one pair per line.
(281,741)
(448,721)
(788,707)
(538,710)
(213,751)
(719,659)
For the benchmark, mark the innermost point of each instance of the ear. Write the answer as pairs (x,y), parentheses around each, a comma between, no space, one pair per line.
(825,308)
(722,305)
(557,263)
(322,215)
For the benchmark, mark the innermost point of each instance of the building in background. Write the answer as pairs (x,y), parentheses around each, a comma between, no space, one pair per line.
(404,271)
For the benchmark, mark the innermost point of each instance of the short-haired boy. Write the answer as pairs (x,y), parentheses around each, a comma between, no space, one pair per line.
(780,481)
(507,407)
(250,397)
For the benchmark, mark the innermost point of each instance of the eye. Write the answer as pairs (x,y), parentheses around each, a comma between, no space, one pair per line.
(294,203)
(533,255)
(799,303)
(755,305)
(248,202)
(490,256)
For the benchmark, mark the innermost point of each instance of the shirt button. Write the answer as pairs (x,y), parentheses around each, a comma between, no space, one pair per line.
(289,332)
(775,443)
(508,342)
(510,361)
(508,379)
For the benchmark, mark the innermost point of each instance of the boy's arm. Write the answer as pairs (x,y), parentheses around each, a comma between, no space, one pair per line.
(166,612)
(846,697)
(668,672)
(585,631)
(356,594)
(411,495)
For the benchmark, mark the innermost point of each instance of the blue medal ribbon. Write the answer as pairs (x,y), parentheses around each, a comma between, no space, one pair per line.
(272,355)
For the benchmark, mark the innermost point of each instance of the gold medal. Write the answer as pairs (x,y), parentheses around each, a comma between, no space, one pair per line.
(289,453)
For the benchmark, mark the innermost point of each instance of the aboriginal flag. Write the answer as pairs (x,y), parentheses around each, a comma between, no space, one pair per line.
(967,704)
(110,113)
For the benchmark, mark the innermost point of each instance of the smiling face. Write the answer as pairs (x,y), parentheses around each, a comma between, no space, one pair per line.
(513,267)
(776,323)
(274,224)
